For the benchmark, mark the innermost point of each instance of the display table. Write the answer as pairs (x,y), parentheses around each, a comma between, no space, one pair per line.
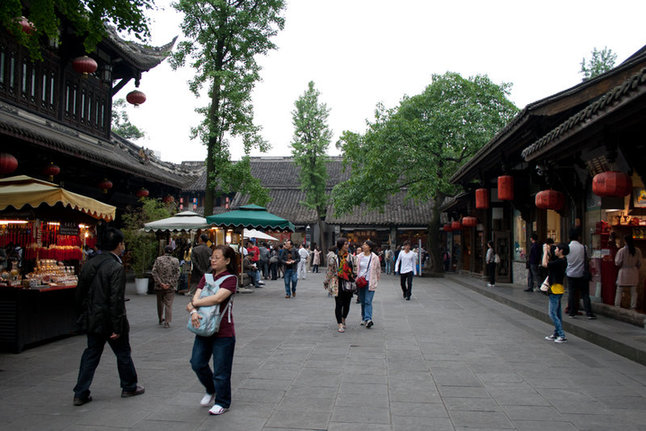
(31,316)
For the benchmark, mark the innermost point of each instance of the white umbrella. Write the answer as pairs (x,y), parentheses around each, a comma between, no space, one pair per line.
(253,233)
(184,221)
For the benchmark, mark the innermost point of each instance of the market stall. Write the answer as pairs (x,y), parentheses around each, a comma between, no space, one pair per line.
(45,233)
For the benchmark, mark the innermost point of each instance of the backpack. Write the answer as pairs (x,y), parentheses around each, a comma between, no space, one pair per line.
(211,315)
(496,258)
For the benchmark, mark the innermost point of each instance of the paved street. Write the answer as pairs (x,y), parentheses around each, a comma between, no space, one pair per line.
(450,359)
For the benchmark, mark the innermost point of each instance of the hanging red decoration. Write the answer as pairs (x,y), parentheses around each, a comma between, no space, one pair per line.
(455,225)
(51,171)
(8,163)
(550,200)
(469,221)
(26,25)
(142,193)
(169,199)
(612,184)
(105,185)
(482,199)
(84,65)
(136,97)
(447,227)
(506,188)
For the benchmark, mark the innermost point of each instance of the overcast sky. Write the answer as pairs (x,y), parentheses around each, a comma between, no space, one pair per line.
(362,52)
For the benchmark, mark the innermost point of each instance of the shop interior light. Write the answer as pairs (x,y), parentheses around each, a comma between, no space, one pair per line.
(53,223)
(82,226)
(13,222)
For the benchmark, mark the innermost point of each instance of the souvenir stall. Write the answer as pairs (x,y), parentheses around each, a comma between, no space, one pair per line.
(46,233)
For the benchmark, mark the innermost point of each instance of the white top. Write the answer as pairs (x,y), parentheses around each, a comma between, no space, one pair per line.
(406,262)
(302,252)
(575,260)
(363,265)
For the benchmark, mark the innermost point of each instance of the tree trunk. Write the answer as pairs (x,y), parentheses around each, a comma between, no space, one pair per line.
(433,235)
(208,191)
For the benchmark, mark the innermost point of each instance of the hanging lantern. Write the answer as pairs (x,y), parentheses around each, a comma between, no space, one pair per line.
(142,193)
(51,171)
(169,199)
(455,225)
(8,163)
(482,199)
(469,221)
(550,200)
(84,65)
(26,25)
(105,185)
(447,227)
(136,97)
(506,188)
(612,184)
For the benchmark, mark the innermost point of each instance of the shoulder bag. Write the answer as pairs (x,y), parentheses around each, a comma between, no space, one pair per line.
(211,315)
(361,282)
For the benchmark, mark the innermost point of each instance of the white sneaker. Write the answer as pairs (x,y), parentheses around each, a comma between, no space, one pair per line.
(207,400)
(560,340)
(363,323)
(217,410)
(550,337)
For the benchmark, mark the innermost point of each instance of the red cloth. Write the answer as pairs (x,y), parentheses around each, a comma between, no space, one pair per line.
(226,329)
(254,253)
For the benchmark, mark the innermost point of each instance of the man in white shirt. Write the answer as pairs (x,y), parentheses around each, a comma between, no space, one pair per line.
(578,287)
(406,265)
(302,264)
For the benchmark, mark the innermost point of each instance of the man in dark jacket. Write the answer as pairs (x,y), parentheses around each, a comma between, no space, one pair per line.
(534,260)
(201,258)
(100,297)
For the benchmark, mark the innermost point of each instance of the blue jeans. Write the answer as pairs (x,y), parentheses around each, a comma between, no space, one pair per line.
(218,381)
(365,297)
(389,265)
(555,314)
(291,275)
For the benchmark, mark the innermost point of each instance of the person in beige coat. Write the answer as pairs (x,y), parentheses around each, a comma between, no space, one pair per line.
(369,267)
(628,259)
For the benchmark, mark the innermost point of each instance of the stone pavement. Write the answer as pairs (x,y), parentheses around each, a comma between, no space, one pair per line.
(449,359)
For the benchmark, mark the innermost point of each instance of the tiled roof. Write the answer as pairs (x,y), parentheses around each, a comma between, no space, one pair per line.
(143,57)
(636,85)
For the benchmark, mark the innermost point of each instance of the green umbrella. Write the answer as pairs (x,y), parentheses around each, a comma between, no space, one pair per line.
(250,217)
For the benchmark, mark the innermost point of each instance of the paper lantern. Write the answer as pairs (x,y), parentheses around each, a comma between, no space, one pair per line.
(469,221)
(84,65)
(8,163)
(506,188)
(136,97)
(455,225)
(550,200)
(26,25)
(51,171)
(169,199)
(447,227)
(105,185)
(482,199)
(612,184)
(142,193)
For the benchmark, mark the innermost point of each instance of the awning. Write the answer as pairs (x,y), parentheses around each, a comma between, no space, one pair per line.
(21,191)
(184,221)
(253,233)
(250,217)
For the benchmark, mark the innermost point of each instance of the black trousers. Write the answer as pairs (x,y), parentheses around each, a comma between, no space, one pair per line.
(406,281)
(491,272)
(574,285)
(92,356)
(342,308)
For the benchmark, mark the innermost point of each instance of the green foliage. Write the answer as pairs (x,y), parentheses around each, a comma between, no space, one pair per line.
(141,246)
(309,147)
(224,38)
(87,17)
(601,62)
(417,146)
(121,124)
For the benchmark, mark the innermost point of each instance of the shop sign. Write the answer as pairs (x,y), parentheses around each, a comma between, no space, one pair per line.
(639,197)
(68,228)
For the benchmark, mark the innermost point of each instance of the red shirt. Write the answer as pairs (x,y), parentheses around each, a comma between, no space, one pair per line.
(255,253)
(227,329)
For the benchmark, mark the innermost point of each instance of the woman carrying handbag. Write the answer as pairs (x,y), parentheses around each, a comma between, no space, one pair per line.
(368,267)
(339,281)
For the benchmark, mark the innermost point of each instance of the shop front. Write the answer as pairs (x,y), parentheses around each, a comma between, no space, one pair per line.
(46,233)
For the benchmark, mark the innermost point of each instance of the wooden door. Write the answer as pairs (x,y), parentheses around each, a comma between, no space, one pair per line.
(502,246)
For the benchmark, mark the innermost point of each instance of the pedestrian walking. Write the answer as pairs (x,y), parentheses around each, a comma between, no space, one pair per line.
(534,261)
(339,279)
(490,260)
(264,260)
(578,285)
(302,263)
(166,275)
(388,259)
(368,266)
(100,298)
(273,263)
(556,265)
(289,260)
(316,259)
(221,345)
(200,258)
(628,259)
(406,265)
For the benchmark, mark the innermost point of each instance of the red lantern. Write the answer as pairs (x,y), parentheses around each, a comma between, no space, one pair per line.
(84,65)
(550,200)
(142,193)
(482,199)
(8,163)
(469,221)
(447,227)
(455,225)
(51,171)
(169,199)
(506,188)
(105,185)
(26,25)
(136,97)
(612,184)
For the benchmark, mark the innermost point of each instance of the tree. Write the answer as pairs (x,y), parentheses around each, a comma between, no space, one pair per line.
(601,62)
(121,124)
(87,17)
(224,39)
(416,147)
(309,147)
